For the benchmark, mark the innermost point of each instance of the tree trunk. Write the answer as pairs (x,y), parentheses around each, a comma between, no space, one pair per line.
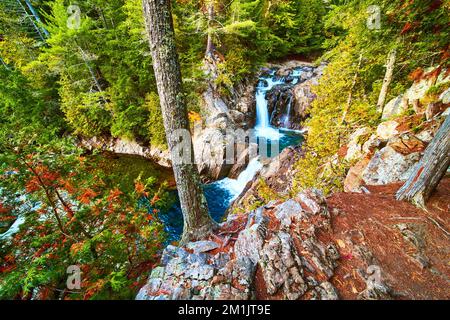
(350,94)
(159,24)
(387,80)
(210,45)
(430,170)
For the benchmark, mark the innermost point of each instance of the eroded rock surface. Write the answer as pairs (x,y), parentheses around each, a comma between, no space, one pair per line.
(279,240)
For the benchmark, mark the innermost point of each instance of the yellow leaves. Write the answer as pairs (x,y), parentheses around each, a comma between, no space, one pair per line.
(340,243)
(194,116)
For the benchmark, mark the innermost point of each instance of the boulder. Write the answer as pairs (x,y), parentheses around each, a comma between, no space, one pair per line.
(304,97)
(202,246)
(210,153)
(444,97)
(433,109)
(289,103)
(288,211)
(251,239)
(237,117)
(312,201)
(371,144)
(388,166)
(355,145)
(282,267)
(406,144)
(418,89)
(425,135)
(387,129)
(354,179)
(395,107)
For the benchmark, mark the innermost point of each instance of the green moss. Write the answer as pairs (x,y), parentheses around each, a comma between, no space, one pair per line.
(123,170)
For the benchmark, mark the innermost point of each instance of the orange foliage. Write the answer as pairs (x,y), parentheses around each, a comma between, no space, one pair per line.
(114,195)
(139,187)
(87,196)
(406,28)
(3,209)
(76,247)
(416,74)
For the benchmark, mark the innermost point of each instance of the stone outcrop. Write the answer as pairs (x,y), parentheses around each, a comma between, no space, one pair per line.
(116,145)
(279,240)
(388,165)
(293,97)
(390,153)
(223,115)
(395,107)
(347,246)
(277,174)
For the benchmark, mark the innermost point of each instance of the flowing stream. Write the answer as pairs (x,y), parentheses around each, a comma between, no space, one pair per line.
(220,194)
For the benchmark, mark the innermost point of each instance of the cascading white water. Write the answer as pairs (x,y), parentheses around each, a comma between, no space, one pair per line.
(288,112)
(222,193)
(236,186)
(263,128)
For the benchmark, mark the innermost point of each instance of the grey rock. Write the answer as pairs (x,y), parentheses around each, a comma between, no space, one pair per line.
(287,211)
(203,272)
(281,267)
(388,166)
(202,246)
(250,241)
(176,267)
(313,201)
(181,293)
(157,272)
(395,107)
(171,252)
(327,291)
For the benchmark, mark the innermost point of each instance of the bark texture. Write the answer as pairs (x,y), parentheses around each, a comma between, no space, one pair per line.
(159,25)
(387,80)
(350,95)
(430,169)
(210,44)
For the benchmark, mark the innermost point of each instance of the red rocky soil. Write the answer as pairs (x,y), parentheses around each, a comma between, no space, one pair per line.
(411,246)
(348,246)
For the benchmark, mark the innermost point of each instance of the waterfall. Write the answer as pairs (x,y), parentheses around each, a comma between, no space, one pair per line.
(288,112)
(263,130)
(263,127)
(222,193)
(236,186)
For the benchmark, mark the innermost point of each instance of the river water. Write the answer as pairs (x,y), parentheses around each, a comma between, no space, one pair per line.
(220,194)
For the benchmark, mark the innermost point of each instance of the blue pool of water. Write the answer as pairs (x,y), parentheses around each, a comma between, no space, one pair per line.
(218,195)
(221,193)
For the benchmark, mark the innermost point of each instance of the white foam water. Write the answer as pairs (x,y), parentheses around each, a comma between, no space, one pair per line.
(236,186)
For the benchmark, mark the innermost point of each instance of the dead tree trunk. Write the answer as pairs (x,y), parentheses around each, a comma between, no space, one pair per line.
(387,80)
(350,94)
(210,45)
(159,24)
(430,170)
